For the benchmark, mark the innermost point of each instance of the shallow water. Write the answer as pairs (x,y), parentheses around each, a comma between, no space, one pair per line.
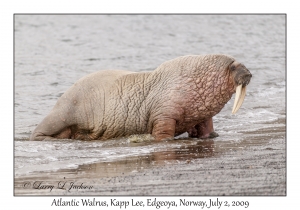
(54,51)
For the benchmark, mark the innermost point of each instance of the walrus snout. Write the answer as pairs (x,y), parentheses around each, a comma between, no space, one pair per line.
(244,79)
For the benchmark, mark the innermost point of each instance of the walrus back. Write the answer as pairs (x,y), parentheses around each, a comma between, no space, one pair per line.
(80,109)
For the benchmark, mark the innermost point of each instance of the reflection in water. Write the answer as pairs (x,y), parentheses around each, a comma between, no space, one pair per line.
(182,154)
(201,149)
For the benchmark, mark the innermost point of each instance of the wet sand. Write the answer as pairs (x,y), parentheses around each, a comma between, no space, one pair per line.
(256,165)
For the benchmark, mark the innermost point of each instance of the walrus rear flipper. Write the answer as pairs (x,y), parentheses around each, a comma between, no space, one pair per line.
(52,127)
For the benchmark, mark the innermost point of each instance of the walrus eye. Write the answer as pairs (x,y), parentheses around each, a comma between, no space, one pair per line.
(232,68)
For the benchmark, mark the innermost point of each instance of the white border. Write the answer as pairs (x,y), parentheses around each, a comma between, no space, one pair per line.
(8,8)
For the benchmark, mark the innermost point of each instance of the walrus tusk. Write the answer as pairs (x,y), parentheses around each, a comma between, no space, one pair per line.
(239,98)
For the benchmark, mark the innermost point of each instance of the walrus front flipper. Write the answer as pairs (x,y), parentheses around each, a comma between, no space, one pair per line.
(164,129)
(52,127)
(203,130)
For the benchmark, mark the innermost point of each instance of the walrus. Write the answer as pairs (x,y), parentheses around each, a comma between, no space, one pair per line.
(181,95)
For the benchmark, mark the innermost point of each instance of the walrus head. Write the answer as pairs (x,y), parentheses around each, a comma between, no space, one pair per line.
(241,76)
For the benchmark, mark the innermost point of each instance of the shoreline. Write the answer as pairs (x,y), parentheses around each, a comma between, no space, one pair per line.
(225,168)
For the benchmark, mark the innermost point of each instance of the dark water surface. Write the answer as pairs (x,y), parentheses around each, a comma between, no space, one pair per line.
(54,51)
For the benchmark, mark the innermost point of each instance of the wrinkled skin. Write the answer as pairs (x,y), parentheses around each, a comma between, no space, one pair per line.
(181,95)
